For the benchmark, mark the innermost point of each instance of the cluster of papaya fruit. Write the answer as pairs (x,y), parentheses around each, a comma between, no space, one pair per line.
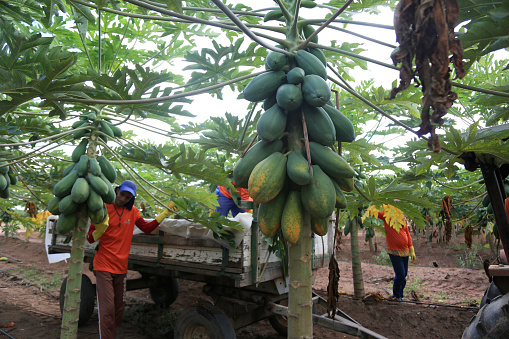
(276,170)
(89,122)
(7,178)
(87,181)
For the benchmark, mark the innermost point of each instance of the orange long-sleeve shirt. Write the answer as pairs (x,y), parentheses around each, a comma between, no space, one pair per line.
(115,244)
(396,241)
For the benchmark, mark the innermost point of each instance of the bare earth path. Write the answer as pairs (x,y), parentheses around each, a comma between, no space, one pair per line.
(448,295)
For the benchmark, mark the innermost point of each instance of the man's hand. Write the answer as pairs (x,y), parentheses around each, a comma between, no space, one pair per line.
(167,212)
(101,227)
(412,254)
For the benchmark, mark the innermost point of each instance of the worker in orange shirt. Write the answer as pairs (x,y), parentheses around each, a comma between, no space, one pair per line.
(115,235)
(227,203)
(400,248)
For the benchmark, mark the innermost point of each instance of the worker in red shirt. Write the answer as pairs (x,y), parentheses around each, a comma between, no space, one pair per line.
(226,202)
(115,234)
(400,248)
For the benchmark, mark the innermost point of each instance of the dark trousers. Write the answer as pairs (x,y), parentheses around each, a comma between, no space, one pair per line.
(226,204)
(111,297)
(400,266)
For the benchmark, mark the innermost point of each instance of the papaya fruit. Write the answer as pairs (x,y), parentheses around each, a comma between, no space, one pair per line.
(97,184)
(68,169)
(107,168)
(340,196)
(94,166)
(348,226)
(295,75)
(267,178)
(317,52)
(67,205)
(4,168)
(64,186)
(13,178)
(110,196)
(276,14)
(257,153)
(346,184)
(319,125)
(79,150)
(289,97)
(307,30)
(94,201)
(82,165)
(106,129)
(80,191)
(264,85)
(310,64)
(53,206)
(3,182)
(297,168)
(319,196)
(117,132)
(319,226)
(330,162)
(5,193)
(271,124)
(66,223)
(97,216)
(292,218)
(275,61)
(344,128)
(307,4)
(269,102)
(270,213)
(315,90)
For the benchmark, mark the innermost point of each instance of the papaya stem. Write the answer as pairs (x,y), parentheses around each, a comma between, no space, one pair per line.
(325,24)
(248,119)
(243,27)
(160,99)
(249,146)
(306,142)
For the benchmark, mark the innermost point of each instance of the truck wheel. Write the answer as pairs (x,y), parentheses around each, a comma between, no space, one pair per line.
(492,320)
(87,301)
(205,321)
(491,293)
(166,292)
(279,323)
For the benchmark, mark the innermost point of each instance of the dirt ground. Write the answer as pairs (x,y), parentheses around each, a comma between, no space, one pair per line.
(448,295)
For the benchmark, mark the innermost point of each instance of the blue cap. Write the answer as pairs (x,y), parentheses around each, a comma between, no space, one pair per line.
(128,186)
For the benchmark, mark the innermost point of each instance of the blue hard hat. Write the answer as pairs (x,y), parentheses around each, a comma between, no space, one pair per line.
(128,186)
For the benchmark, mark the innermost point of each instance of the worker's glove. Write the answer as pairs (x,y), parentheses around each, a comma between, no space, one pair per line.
(169,210)
(412,254)
(101,227)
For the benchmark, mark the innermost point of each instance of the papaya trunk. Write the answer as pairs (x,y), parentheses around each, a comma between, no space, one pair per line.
(358,282)
(371,244)
(69,328)
(300,304)
(428,236)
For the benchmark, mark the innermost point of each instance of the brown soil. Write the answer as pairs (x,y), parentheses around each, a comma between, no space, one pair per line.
(448,295)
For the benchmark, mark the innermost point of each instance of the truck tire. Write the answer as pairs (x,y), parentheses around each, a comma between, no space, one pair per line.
(203,320)
(87,299)
(491,293)
(166,292)
(492,320)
